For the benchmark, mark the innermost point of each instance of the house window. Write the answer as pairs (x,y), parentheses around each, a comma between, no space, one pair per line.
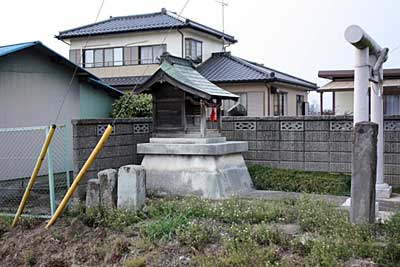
(280,104)
(300,108)
(194,50)
(391,104)
(88,58)
(151,54)
(103,57)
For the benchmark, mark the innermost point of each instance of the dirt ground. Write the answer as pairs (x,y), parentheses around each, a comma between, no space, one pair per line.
(71,243)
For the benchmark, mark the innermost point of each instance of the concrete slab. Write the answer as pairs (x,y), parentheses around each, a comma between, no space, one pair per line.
(213,149)
(207,140)
(213,177)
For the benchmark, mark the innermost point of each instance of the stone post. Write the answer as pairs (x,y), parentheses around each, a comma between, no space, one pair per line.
(93,193)
(131,187)
(363,173)
(108,188)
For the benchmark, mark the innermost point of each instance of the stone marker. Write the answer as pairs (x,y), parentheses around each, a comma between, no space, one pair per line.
(363,173)
(131,187)
(108,188)
(93,193)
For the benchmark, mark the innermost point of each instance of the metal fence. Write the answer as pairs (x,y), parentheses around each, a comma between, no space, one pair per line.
(19,151)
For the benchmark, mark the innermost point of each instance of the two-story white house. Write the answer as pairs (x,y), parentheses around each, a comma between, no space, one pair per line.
(125,51)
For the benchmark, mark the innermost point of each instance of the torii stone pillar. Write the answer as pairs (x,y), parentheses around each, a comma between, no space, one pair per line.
(369,58)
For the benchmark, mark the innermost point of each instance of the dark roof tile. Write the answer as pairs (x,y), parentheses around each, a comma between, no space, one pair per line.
(144,22)
(224,67)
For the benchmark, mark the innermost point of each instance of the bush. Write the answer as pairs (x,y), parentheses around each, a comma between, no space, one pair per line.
(129,106)
(265,178)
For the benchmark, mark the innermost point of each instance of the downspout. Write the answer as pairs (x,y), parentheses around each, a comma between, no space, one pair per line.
(268,98)
(182,41)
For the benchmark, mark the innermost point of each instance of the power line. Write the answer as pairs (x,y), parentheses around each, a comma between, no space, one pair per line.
(77,67)
(147,66)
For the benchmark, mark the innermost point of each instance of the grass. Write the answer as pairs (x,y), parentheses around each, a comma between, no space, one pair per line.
(247,233)
(241,232)
(265,178)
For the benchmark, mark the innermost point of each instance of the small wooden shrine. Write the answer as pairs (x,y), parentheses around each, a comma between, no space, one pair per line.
(185,104)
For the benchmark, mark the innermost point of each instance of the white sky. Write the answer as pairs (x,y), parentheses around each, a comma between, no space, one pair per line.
(299,37)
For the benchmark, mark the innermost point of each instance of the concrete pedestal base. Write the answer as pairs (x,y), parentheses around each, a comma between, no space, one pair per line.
(383,191)
(202,168)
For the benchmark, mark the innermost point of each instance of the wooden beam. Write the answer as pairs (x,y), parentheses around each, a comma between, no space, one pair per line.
(219,115)
(203,119)
(333,103)
(321,101)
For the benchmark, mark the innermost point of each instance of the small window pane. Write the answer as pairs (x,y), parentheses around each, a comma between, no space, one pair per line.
(108,57)
(146,55)
(88,58)
(118,59)
(98,58)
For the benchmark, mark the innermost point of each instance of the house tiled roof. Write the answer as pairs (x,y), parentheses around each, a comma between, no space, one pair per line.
(90,78)
(145,22)
(183,73)
(125,81)
(224,67)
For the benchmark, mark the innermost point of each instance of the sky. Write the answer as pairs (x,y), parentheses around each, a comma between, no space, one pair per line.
(299,37)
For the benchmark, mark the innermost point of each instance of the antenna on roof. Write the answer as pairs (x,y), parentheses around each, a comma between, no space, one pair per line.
(223,5)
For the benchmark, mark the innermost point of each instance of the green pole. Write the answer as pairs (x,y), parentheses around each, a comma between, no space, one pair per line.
(51,177)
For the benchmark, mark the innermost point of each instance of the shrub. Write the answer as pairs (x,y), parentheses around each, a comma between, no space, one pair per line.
(265,178)
(129,106)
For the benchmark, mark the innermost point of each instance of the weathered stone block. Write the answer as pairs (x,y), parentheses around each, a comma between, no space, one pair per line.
(120,129)
(340,146)
(317,156)
(316,136)
(292,146)
(340,136)
(85,130)
(344,157)
(93,193)
(292,136)
(291,156)
(268,145)
(268,126)
(316,146)
(227,126)
(363,173)
(108,188)
(252,145)
(392,169)
(340,167)
(392,158)
(249,155)
(316,166)
(268,155)
(245,135)
(131,187)
(268,135)
(291,165)
(316,125)
(228,134)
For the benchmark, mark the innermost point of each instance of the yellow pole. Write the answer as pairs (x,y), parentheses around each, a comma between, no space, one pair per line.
(35,172)
(82,172)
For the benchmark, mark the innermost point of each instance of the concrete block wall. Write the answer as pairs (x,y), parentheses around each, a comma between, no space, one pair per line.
(119,150)
(313,143)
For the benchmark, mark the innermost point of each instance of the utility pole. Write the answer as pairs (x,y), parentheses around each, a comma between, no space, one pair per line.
(223,5)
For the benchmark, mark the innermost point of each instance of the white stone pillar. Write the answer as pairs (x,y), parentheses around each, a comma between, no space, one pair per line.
(361,84)
(383,190)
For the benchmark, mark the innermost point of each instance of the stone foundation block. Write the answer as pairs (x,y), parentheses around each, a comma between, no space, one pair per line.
(108,188)
(131,187)
(93,193)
